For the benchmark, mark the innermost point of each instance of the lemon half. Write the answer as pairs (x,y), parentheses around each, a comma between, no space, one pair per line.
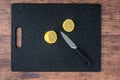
(50,37)
(68,25)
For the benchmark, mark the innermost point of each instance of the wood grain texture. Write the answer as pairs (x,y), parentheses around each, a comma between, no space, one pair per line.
(110,44)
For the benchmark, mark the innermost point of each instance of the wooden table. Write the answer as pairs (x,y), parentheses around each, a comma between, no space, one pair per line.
(110,44)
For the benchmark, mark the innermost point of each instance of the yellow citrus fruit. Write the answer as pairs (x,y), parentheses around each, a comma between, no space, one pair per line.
(50,37)
(68,25)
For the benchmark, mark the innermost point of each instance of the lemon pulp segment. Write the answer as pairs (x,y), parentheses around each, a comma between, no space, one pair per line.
(68,25)
(50,37)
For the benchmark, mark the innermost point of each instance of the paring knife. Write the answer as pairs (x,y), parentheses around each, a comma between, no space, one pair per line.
(74,46)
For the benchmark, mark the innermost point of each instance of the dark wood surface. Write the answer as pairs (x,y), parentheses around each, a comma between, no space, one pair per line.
(110,44)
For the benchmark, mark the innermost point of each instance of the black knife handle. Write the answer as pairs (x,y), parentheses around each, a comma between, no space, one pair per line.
(83,56)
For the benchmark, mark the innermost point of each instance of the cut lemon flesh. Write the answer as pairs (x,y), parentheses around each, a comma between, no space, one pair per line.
(68,25)
(50,37)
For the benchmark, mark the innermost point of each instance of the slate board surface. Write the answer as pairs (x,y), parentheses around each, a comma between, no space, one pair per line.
(36,55)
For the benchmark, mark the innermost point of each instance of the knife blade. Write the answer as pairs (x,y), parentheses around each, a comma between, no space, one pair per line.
(75,47)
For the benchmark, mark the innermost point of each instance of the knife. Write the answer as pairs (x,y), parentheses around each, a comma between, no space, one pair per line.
(75,47)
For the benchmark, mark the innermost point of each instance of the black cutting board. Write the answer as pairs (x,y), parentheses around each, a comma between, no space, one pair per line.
(36,55)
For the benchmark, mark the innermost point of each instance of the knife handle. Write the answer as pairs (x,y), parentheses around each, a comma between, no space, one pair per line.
(83,56)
